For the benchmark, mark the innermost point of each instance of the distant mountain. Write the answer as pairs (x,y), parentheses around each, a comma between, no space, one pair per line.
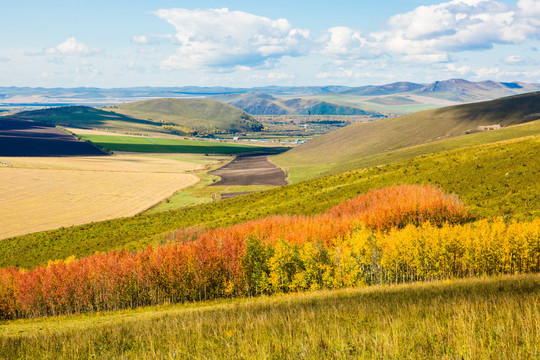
(394,88)
(343,99)
(463,90)
(265,104)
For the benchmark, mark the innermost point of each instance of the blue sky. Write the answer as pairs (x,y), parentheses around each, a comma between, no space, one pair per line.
(247,43)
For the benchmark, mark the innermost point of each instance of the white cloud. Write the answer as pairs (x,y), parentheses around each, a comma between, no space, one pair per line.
(513,59)
(345,43)
(461,70)
(430,33)
(140,39)
(219,38)
(4,59)
(427,58)
(71,47)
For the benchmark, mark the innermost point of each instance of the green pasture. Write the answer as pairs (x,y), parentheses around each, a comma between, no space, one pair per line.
(163,145)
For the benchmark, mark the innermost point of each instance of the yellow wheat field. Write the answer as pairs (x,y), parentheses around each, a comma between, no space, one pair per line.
(46,193)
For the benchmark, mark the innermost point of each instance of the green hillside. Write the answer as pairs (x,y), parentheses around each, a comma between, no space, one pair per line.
(498,179)
(199,115)
(84,117)
(176,116)
(348,147)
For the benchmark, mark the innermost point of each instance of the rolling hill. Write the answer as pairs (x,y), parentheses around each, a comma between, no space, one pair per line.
(328,153)
(195,114)
(265,104)
(181,116)
(394,88)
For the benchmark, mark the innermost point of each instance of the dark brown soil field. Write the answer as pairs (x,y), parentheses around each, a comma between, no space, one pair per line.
(250,170)
(26,138)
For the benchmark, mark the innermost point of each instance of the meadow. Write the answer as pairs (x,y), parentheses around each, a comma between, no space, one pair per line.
(309,167)
(478,318)
(161,145)
(395,139)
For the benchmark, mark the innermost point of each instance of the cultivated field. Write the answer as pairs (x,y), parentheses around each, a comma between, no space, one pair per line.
(46,193)
(26,138)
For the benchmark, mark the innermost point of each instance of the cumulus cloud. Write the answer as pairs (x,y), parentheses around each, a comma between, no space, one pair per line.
(219,38)
(345,43)
(140,39)
(513,59)
(461,70)
(430,33)
(71,47)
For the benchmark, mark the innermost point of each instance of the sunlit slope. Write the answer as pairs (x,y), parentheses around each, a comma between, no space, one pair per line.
(180,116)
(199,115)
(328,153)
(498,179)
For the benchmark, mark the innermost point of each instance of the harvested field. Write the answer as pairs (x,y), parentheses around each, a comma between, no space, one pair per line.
(47,193)
(124,163)
(250,170)
(25,138)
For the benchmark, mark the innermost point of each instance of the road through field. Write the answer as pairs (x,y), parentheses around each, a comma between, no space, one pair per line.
(36,199)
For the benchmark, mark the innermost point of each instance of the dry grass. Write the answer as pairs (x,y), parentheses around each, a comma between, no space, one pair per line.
(46,193)
(494,318)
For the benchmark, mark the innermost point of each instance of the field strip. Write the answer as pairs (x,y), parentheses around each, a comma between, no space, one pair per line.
(42,199)
(123,163)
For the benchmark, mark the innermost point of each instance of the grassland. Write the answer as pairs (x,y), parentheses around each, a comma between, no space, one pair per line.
(300,170)
(498,179)
(46,193)
(172,116)
(348,146)
(490,318)
(161,145)
(192,114)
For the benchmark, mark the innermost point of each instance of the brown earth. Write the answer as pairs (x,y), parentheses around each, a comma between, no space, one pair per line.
(250,170)
(26,138)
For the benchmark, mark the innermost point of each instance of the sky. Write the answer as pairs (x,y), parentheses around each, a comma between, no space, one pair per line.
(120,43)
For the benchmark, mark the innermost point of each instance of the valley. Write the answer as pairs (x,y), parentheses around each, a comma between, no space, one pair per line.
(361,210)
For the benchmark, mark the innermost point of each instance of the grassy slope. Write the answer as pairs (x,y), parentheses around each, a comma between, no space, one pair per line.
(466,319)
(202,115)
(301,171)
(158,115)
(159,145)
(328,151)
(499,179)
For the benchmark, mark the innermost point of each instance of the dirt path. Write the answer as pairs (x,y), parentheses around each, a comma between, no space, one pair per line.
(250,170)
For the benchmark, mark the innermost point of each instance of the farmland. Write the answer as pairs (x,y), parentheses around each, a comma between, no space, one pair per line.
(25,138)
(47,193)
(161,145)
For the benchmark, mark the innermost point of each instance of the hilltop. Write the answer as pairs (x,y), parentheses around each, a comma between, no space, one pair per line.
(265,104)
(180,116)
(363,140)
(196,114)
